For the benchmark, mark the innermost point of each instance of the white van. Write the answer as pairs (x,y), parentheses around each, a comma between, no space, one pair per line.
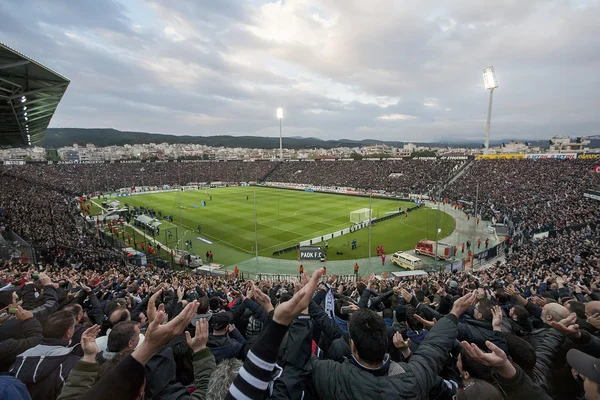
(406,260)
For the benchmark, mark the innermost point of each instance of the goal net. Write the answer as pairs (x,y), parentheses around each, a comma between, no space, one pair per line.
(358,216)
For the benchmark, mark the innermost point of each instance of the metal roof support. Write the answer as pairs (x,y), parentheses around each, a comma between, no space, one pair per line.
(14,64)
(58,87)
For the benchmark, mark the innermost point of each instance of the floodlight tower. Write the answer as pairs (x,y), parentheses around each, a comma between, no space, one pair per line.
(490,82)
(280,118)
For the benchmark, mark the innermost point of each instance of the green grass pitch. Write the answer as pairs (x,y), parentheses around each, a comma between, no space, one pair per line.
(284,218)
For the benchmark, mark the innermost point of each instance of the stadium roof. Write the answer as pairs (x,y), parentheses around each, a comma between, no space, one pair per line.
(29,94)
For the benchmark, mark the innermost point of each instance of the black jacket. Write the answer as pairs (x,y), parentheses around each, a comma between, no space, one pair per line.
(477,332)
(547,353)
(521,387)
(227,346)
(30,336)
(412,380)
(536,336)
(45,367)
(43,310)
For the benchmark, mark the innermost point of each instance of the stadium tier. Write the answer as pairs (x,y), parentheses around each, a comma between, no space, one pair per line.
(43,205)
(533,195)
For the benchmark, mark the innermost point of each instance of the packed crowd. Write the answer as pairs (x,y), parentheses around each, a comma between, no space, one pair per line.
(535,194)
(525,329)
(48,220)
(538,194)
(402,176)
(81,179)
(398,176)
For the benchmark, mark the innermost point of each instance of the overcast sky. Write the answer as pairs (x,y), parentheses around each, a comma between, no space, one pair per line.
(383,69)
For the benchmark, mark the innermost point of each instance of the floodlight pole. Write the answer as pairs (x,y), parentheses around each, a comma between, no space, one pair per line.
(487,126)
(256,235)
(476,210)
(280,141)
(437,226)
(370,225)
(179,199)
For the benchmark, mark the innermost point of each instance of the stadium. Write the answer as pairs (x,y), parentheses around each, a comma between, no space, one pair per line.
(452,275)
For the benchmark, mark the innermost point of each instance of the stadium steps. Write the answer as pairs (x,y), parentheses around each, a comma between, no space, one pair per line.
(459,173)
(264,178)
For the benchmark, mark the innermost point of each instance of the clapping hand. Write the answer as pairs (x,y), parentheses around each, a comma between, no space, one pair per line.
(200,339)
(158,335)
(88,344)
(407,296)
(286,312)
(567,326)
(497,359)
(463,304)
(427,324)
(262,299)
(594,320)
(23,315)
(497,318)
(402,345)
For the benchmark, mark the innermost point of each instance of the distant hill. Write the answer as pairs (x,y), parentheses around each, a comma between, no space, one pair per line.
(59,137)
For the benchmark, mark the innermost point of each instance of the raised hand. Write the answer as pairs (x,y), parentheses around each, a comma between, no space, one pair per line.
(496,359)
(200,339)
(88,343)
(151,309)
(407,296)
(567,326)
(305,278)
(497,318)
(427,324)
(158,335)
(23,315)
(44,279)
(441,290)
(463,304)
(332,279)
(399,341)
(262,299)
(594,320)
(180,292)
(286,312)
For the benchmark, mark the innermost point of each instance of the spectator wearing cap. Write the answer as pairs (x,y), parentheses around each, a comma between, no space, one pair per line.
(588,369)
(225,341)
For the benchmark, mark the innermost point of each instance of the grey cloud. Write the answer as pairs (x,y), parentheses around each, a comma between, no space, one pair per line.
(214,74)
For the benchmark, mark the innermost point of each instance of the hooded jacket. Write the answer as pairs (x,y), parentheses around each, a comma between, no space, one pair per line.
(45,367)
(226,346)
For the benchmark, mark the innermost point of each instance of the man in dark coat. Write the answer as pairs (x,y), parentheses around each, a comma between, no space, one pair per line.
(45,367)
(30,336)
(225,341)
(371,374)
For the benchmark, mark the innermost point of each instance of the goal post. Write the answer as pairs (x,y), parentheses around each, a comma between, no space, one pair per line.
(358,216)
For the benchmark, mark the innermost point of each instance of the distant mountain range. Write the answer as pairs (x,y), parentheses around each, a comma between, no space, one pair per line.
(60,137)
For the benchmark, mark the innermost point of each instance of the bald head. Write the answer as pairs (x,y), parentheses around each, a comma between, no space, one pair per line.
(554,312)
(591,308)
(119,315)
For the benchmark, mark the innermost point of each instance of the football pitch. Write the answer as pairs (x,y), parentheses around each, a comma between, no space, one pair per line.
(231,223)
